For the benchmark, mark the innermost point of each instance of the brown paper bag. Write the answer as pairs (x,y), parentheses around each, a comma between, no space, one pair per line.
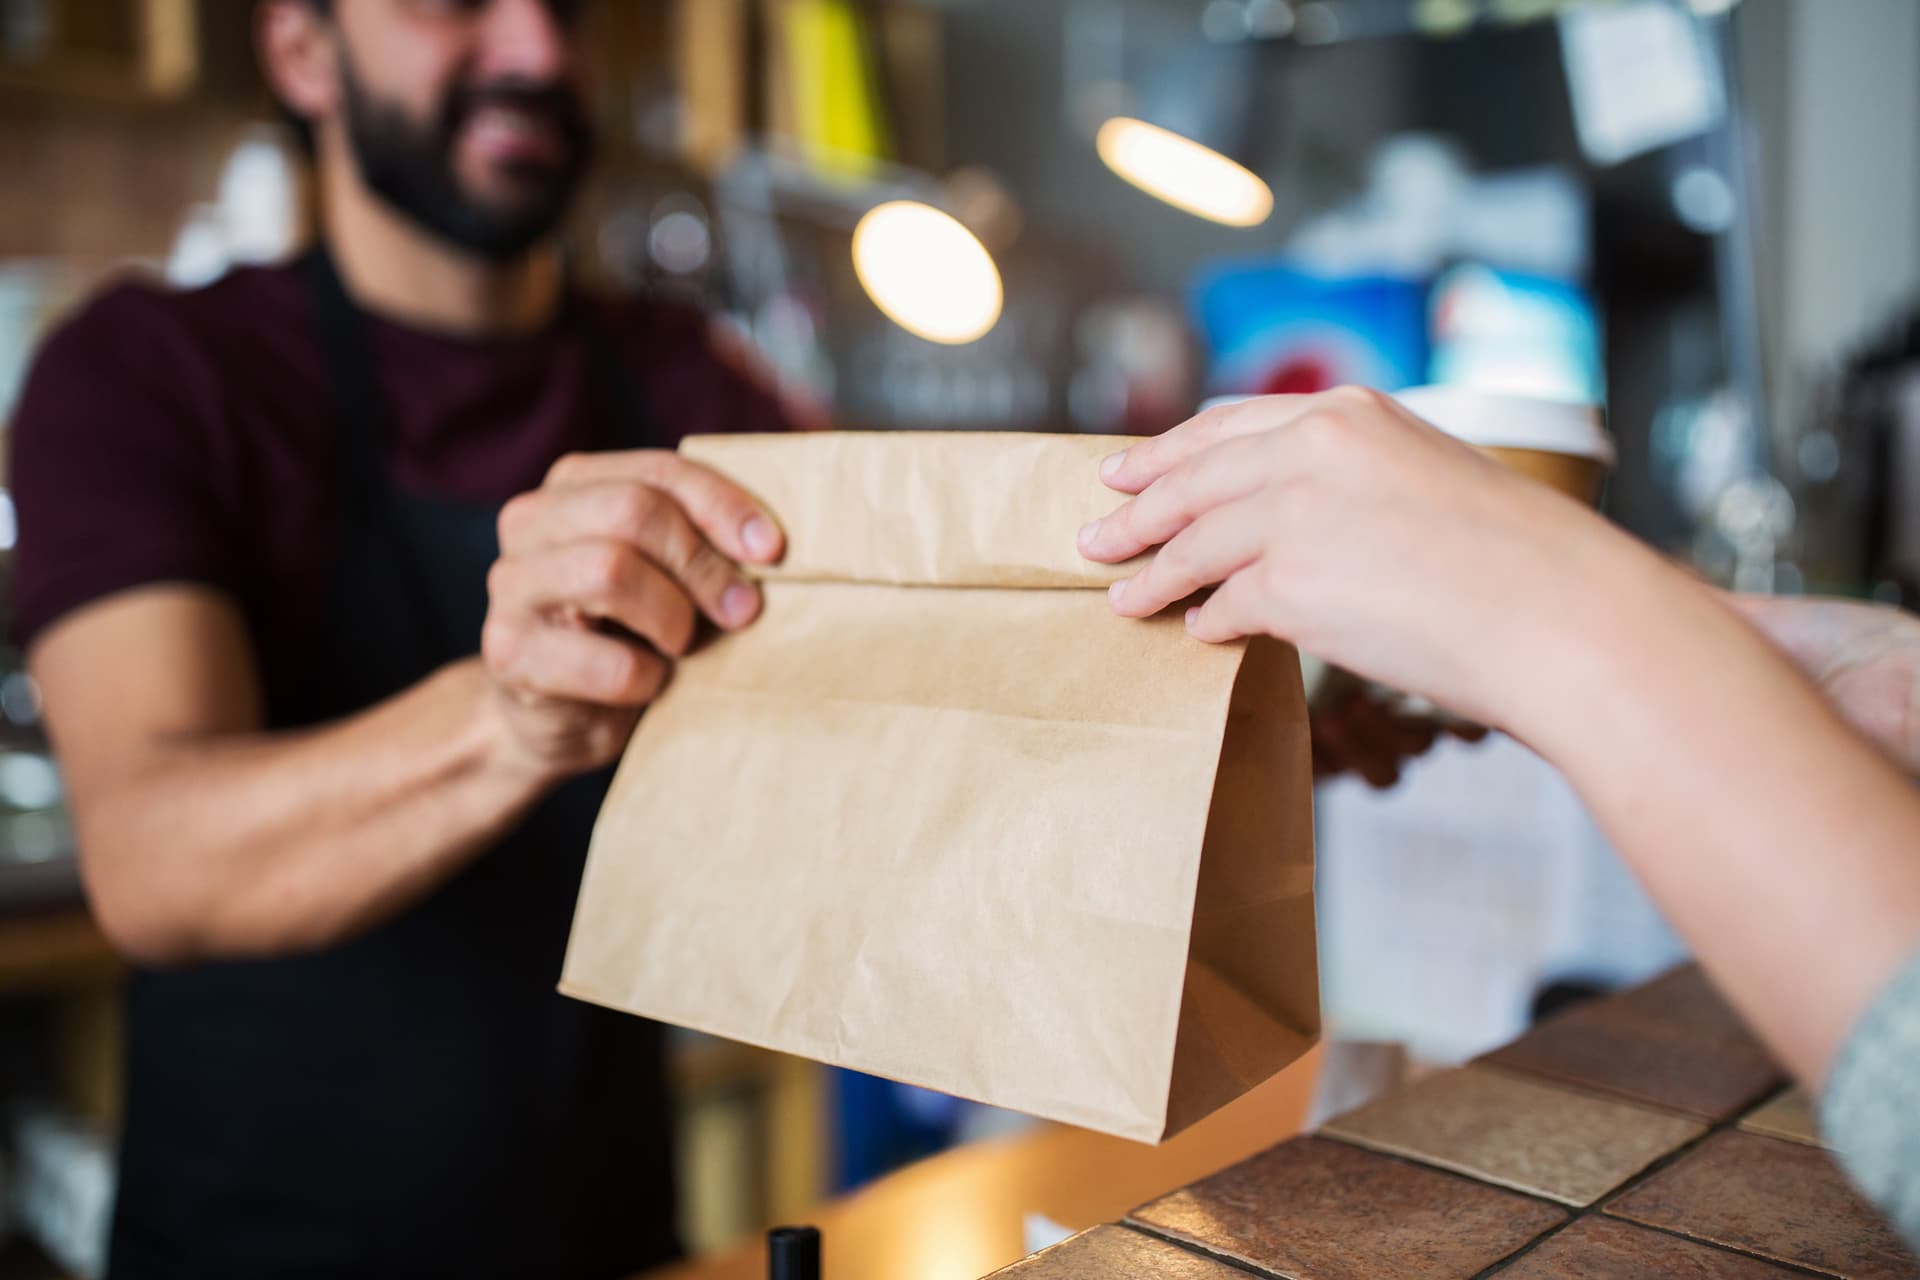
(940,816)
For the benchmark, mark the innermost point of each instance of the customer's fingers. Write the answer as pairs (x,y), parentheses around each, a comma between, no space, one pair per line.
(1228,470)
(1208,551)
(1135,468)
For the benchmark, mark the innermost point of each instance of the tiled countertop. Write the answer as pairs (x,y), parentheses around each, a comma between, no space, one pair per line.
(1642,1134)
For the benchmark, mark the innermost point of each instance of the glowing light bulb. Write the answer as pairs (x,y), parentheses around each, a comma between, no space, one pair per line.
(1183,173)
(927,272)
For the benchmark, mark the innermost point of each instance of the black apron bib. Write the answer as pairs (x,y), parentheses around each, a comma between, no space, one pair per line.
(418,1101)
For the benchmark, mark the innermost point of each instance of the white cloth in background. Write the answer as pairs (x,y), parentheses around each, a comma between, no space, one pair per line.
(1448,902)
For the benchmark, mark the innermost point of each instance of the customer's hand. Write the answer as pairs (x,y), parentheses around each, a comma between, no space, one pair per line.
(1864,657)
(604,572)
(1373,540)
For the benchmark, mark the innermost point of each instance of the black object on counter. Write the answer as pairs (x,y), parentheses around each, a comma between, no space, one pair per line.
(793,1253)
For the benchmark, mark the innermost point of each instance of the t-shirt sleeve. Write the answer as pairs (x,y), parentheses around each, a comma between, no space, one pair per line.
(704,380)
(1870,1108)
(113,464)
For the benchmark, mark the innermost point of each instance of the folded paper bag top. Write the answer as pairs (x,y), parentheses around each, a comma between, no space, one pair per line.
(940,816)
(960,509)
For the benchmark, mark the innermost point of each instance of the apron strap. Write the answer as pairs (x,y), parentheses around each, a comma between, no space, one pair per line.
(366,492)
(634,424)
(348,346)
(344,340)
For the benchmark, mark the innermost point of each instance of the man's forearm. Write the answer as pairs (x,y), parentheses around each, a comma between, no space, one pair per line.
(1780,843)
(273,842)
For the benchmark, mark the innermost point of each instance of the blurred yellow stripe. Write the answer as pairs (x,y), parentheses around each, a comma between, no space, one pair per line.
(837,112)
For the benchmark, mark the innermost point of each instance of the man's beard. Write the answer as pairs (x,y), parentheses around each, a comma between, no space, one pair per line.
(410,165)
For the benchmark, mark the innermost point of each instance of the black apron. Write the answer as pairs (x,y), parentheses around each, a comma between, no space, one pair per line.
(418,1101)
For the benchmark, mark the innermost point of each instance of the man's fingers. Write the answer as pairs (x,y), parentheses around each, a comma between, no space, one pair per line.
(730,517)
(1332,752)
(641,517)
(1139,466)
(593,581)
(1326,761)
(1403,738)
(1381,771)
(579,666)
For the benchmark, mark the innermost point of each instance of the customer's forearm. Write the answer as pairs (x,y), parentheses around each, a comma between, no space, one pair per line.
(264,843)
(1781,845)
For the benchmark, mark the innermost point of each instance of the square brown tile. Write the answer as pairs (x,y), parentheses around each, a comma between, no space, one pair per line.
(1672,1043)
(1781,1200)
(1108,1252)
(1316,1209)
(1788,1115)
(1518,1132)
(1602,1249)
(1687,994)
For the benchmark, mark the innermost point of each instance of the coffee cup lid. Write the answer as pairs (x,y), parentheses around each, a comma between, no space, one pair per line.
(1494,421)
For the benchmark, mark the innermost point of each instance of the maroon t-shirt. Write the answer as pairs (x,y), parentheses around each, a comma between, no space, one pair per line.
(192,436)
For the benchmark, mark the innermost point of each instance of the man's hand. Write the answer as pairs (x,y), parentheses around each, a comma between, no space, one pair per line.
(1864,657)
(1354,732)
(604,573)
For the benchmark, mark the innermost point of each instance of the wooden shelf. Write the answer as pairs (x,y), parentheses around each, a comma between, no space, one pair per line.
(754,1137)
(134,51)
(62,949)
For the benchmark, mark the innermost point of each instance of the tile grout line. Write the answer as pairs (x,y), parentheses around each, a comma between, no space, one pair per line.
(1528,1247)
(1598,1209)
(1631,1182)
(1416,1163)
(1198,1250)
(1667,1161)
(1595,1210)
(1792,1268)
(1730,1125)
(1604,1093)
(1597,1093)
(1575,1213)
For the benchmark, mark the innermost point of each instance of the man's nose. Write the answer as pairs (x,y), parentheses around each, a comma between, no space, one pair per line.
(524,40)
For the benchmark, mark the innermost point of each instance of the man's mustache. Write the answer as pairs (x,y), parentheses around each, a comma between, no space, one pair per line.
(558,104)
